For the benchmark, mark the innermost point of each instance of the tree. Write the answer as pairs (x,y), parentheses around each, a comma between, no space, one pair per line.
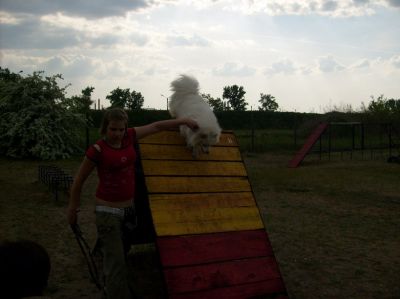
(393,105)
(34,119)
(124,98)
(87,98)
(81,103)
(118,97)
(135,101)
(215,104)
(384,105)
(268,103)
(235,96)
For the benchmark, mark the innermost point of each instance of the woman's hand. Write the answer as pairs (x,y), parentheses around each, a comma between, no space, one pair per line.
(191,123)
(162,125)
(72,214)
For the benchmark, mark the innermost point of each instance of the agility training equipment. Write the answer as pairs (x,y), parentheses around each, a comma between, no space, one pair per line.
(55,178)
(209,232)
(311,140)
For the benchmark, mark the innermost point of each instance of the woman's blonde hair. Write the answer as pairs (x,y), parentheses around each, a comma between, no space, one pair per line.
(113,114)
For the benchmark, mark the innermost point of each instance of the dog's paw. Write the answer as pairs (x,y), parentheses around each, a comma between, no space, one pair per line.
(205,149)
(196,151)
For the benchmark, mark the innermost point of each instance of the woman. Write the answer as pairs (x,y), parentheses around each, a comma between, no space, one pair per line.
(114,157)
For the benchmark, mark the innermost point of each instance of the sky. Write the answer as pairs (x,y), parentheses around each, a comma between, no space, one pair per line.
(312,56)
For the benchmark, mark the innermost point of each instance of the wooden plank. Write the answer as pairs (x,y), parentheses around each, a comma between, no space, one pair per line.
(260,290)
(193,168)
(219,275)
(181,152)
(206,227)
(211,248)
(201,200)
(196,184)
(174,137)
(203,215)
(309,143)
(186,213)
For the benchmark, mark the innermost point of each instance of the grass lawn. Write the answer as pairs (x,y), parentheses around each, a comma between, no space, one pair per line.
(334,226)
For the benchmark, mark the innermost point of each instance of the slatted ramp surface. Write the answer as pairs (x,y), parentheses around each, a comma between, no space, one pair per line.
(308,144)
(209,232)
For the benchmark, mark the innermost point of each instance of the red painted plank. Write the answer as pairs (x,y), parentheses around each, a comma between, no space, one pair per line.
(218,275)
(207,248)
(262,288)
(311,140)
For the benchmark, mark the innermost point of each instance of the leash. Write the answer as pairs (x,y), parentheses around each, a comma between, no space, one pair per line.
(87,253)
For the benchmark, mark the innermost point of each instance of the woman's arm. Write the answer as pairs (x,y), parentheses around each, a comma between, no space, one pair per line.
(85,169)
(162,125)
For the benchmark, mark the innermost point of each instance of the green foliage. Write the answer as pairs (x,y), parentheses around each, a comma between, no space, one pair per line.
(235,96)
(81,103)
(135,101)
(384,105)
(234,120)
(124,98)
(34,119)
(215,104)
(268,103)
(118,97)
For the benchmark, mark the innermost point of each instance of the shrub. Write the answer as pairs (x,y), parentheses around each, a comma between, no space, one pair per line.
(35,120)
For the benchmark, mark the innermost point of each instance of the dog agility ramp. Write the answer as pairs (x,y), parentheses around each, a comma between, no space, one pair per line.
(308,144)
(209,233)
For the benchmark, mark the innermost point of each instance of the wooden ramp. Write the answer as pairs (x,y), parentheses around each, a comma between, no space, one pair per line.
(209,232)
(311,140)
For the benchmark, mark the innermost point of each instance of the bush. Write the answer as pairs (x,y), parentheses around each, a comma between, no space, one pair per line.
(35,121)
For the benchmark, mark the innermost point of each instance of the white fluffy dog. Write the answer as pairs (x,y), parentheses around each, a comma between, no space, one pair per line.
(186,101)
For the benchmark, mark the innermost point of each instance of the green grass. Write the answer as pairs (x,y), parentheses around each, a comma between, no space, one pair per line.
(333,225)
(267,140)
(270,140)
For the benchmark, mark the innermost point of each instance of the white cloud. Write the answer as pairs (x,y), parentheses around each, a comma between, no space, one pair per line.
(361,64)
(395,3)
(328,64)
(284,66)
(75,66)
(338,8)
(220,42)
(234,69)
(8,18)
(31,33)
(193,40)
(104,8)
(88,9)
(395,60)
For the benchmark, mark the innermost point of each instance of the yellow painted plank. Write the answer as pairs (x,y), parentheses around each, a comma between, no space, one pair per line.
(193,168)
(181,152)
(174,137)
(215,226)
(196,184)
(175,214)
(203,215)
(201,200)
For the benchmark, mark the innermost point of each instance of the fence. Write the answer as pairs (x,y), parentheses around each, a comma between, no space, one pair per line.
(259,131)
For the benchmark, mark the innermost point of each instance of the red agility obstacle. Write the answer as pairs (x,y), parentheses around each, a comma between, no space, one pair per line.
(311,140)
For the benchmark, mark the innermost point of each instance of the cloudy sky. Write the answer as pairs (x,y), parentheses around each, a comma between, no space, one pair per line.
(310,55)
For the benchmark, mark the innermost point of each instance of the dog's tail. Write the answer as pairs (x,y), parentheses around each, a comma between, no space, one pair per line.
(185,84)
